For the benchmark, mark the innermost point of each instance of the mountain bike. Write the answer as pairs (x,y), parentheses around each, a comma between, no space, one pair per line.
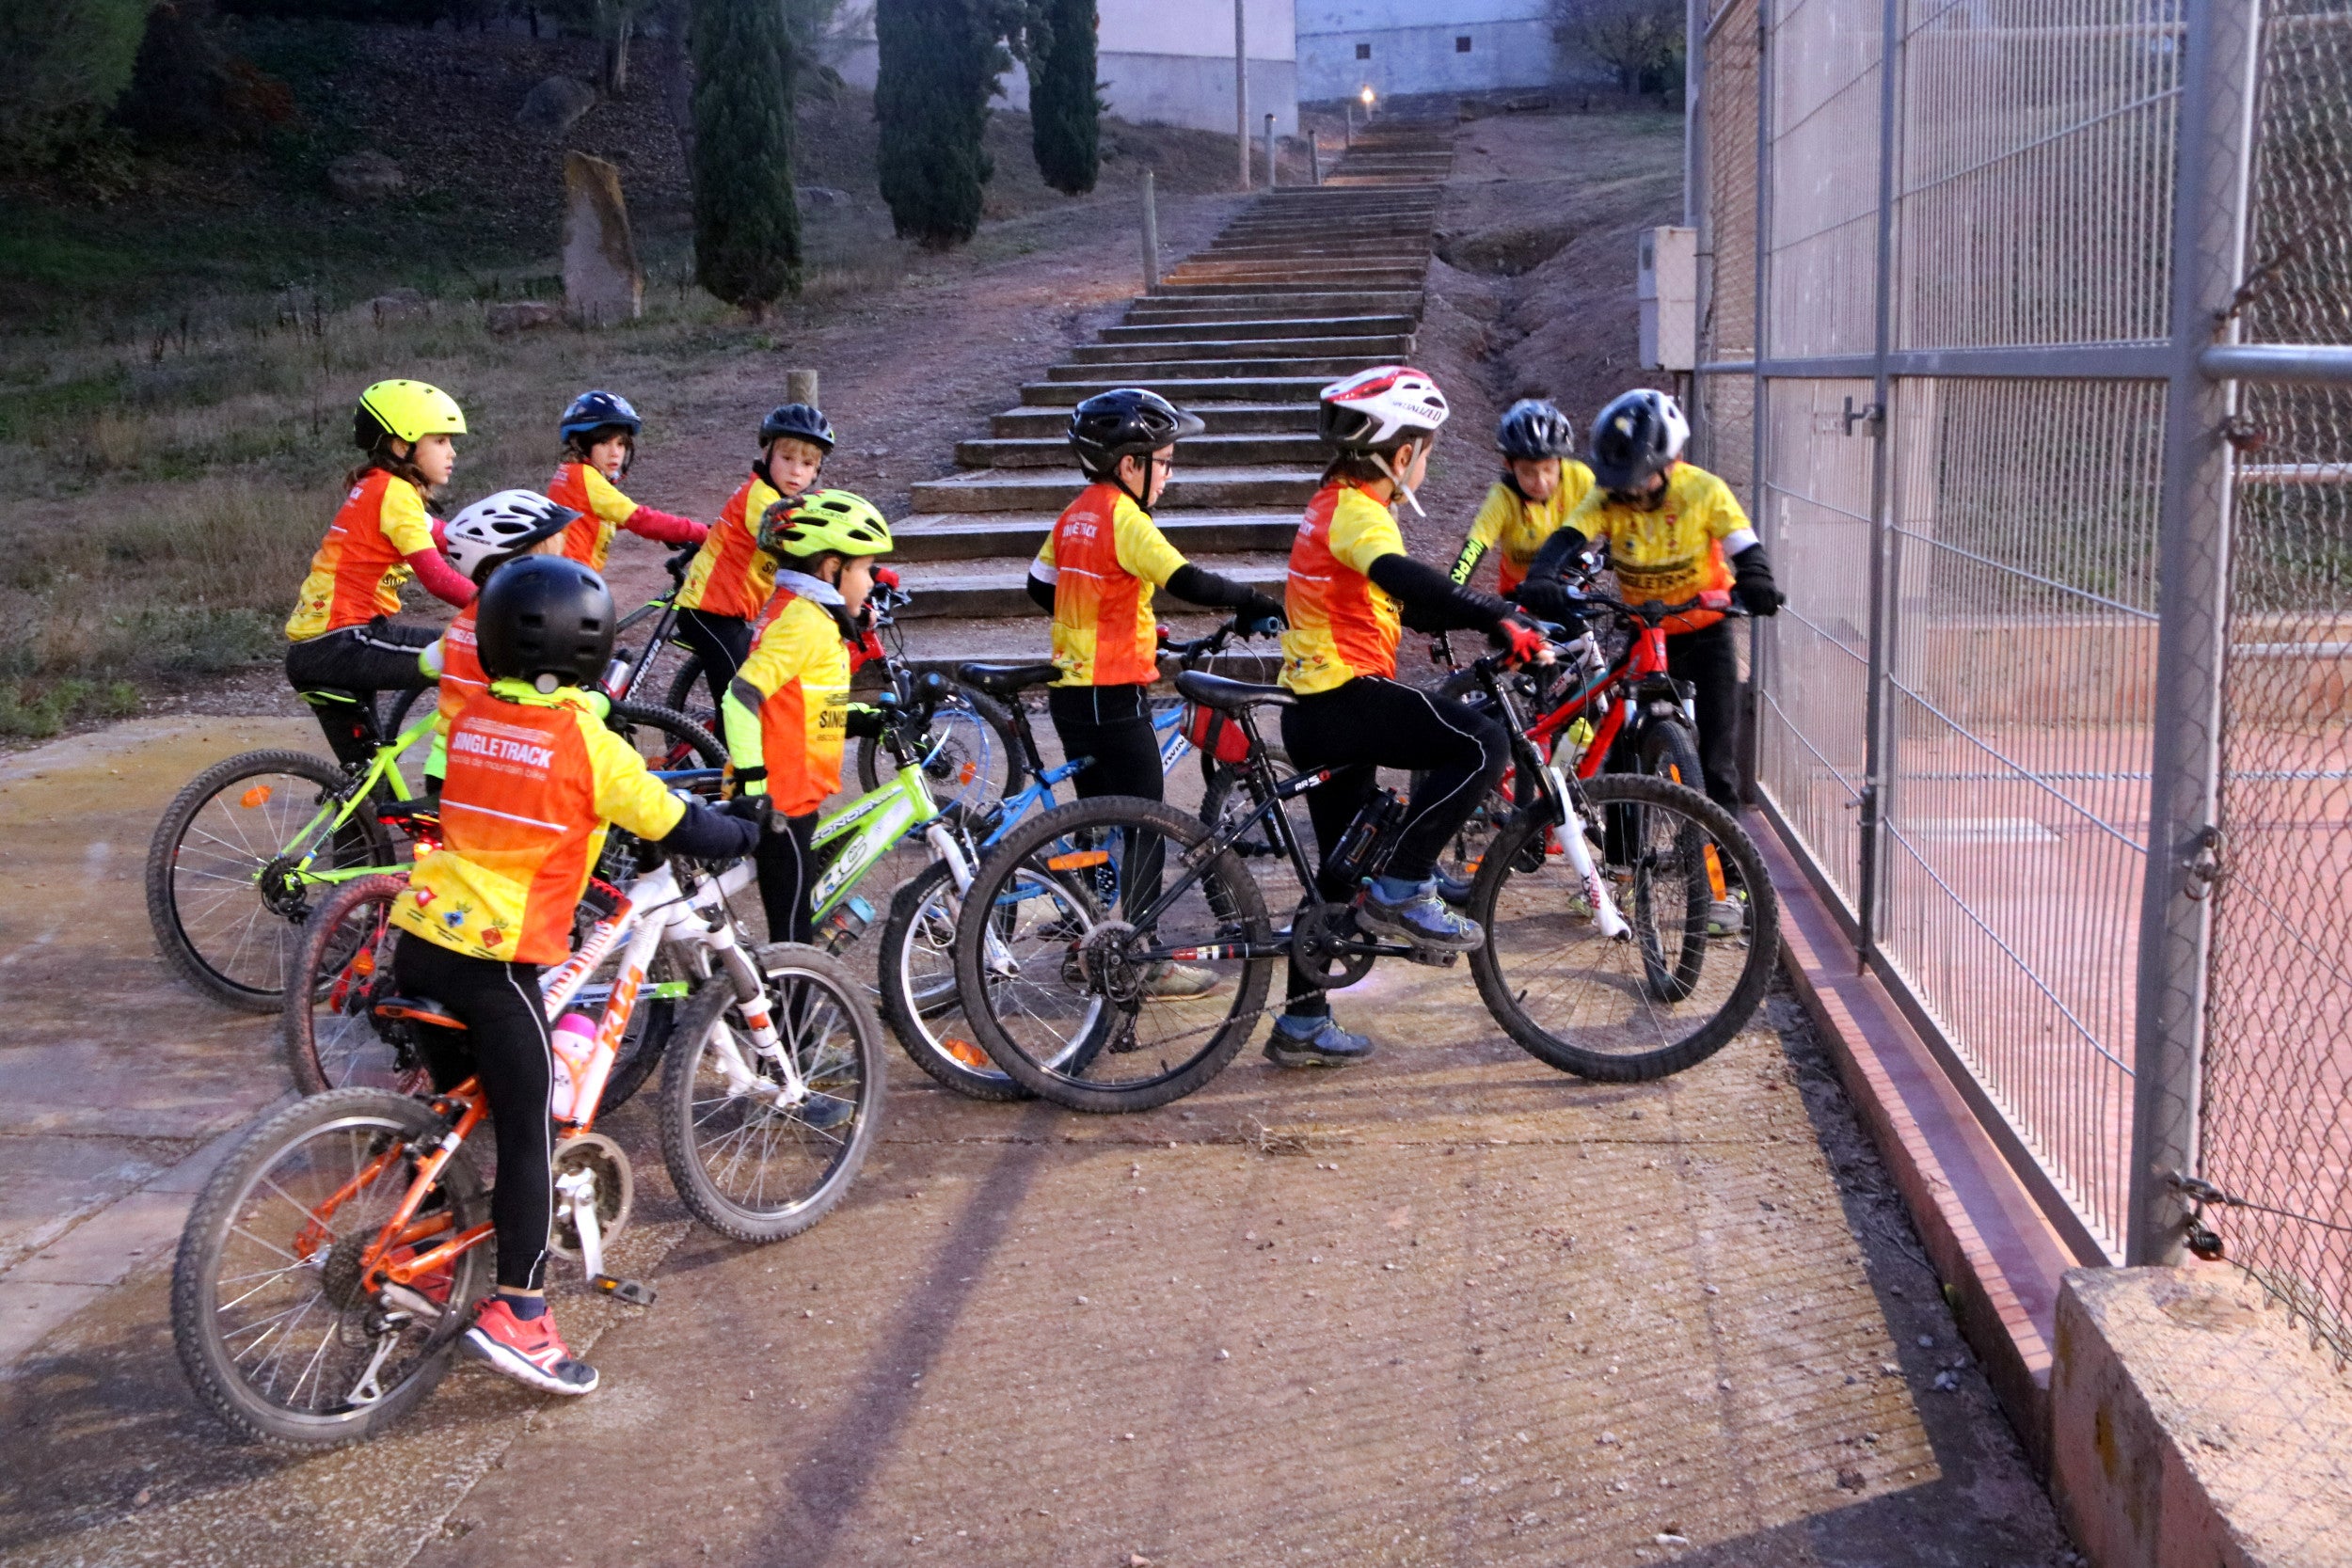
(245,850)
(332,1260)
(916,963)
(1594,898)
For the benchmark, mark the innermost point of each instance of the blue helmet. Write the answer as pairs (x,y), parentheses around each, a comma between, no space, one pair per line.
(594,411)
(800,420)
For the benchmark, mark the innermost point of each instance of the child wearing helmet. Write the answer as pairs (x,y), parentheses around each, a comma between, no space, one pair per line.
(787,712)
(1351,586)
(599,435)
(534,777)
(1095,574)
(341,637)
(479,540)
(1542,482)
(1674,531)
(729,581)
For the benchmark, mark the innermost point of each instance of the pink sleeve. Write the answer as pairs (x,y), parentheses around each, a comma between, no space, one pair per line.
(666,528)
(442,580)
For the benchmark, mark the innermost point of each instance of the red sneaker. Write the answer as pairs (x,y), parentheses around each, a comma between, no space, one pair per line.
(529,1351)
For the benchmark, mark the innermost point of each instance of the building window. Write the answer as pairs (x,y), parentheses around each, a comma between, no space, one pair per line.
(1363,51)
(1461,46)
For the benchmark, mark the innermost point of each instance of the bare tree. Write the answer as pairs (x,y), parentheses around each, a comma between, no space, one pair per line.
(1640,41)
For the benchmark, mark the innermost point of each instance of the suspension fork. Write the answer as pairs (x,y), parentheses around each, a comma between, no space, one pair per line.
(1559,803)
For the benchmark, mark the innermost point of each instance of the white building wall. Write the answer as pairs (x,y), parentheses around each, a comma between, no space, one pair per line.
(1415,46)
(1169,62)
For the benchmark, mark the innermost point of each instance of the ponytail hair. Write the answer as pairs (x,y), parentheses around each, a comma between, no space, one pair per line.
(380,456)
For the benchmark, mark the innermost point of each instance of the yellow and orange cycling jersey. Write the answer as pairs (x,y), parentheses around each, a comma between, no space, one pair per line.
(457,665)
(1672,553)
(532,782)
(359,567)
(1104,558)
(1342,623)
(1518,527)
(788,709)
(732,574)
(603,511)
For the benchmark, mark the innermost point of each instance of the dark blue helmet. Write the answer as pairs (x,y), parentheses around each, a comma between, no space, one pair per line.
(593,411)
(800,421)
(1532,429)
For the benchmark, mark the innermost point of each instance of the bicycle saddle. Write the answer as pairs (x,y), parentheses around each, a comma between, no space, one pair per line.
(1231,696)
(1004,680)
(417,1009)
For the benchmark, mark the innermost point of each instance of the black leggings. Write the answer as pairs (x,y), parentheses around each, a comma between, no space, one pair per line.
(1113,725)
(1709,658)
(504,1044)
(788,869)
(1373,723)
(723,643)
(364,660)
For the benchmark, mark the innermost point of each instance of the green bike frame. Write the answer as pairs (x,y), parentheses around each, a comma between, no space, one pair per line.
(383,769)
(868,828)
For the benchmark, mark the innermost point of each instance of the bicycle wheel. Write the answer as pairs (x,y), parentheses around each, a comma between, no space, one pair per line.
(330,1033)
(1669,750)
(1056,982)
(974,760)
(1226,800)
(665,738)
(917,969)
(677,674)
(750,1164)
(1675,991)
(268,1312)
(223,896)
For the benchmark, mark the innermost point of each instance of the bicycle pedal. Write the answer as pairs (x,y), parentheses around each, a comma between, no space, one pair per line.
(633,1292)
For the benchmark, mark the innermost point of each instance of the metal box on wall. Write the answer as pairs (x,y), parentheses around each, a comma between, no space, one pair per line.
(1666,288)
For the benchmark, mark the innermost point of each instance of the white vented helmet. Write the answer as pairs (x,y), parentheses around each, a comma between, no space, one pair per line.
(1372,410)
(499,527)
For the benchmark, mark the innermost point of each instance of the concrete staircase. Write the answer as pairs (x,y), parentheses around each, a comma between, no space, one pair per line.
(1304,286)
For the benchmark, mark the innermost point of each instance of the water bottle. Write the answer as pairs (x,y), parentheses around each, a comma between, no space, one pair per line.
(576,1052)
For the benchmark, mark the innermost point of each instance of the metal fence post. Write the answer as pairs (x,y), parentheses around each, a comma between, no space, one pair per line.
(1876,739)
(1151,236)
(1270,181)
(1761,647)
(2208,257)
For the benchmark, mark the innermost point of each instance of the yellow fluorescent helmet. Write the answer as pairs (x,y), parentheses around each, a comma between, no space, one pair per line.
(824,520)
(412,410)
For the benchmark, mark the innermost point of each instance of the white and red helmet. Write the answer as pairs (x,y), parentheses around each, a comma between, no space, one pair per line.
(1372,410)
(496,527)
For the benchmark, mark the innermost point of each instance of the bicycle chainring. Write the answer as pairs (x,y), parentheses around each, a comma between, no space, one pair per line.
(1324,944)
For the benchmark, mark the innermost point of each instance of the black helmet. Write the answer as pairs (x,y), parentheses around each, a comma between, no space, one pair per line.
(593,411)
(1638,435)
(542,616)
(1127,422)
(801,422)
(1532,429)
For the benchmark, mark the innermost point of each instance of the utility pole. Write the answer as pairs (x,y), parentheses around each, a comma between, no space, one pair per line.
(1269,152)
(1150,237)
(1241,89)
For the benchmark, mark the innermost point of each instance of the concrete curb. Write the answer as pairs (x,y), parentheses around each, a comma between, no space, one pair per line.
(2001,1262)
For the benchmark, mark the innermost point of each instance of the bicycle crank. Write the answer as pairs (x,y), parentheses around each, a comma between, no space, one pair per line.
(594,1191)
(1325,945)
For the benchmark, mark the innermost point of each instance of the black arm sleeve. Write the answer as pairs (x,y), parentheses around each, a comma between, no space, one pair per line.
(711,835)
(1196,586)
(1433,601)
(1563,547)
(1040,593)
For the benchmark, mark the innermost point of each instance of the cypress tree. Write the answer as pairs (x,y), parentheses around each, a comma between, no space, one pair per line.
(1064,111)
(938,67)
(747,225)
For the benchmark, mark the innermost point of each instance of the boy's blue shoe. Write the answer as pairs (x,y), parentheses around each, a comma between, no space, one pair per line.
(1412,912)
(1315,1041)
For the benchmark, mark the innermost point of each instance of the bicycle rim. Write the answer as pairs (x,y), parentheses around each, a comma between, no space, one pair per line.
(666,738)
(1672,992)
(268,1313)
(333,1040)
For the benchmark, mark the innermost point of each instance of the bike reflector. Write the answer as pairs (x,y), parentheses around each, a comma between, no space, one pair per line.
(1215,734)
(257,796)
(1078,860)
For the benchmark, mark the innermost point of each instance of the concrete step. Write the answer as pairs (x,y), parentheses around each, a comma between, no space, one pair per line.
(1149,373)
(1301,326)
(1213,310)
(1304,269)
(1222,418)
(1240,346)
(996,585)
(1308,279)
(1296,447)
(1050,490)
(1186,391)
(964,535)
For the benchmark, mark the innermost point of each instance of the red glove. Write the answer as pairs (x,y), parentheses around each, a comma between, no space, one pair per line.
(442,580)
(1527,643)
(887,577)
(666,528)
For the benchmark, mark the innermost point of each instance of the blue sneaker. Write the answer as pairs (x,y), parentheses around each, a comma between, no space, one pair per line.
(1419,919)
(1455,889)
(1305,1042)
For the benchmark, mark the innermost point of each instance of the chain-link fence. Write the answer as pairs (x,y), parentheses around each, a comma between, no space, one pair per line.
(2056,714)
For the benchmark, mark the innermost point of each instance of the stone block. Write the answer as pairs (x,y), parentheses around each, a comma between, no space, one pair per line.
(555,105)
(520,315)
(602,281)
(2194,1426)
(360,178)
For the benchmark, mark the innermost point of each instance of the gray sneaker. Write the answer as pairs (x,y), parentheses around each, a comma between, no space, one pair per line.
(1422,920)
(1325,1045)
(1169,981)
